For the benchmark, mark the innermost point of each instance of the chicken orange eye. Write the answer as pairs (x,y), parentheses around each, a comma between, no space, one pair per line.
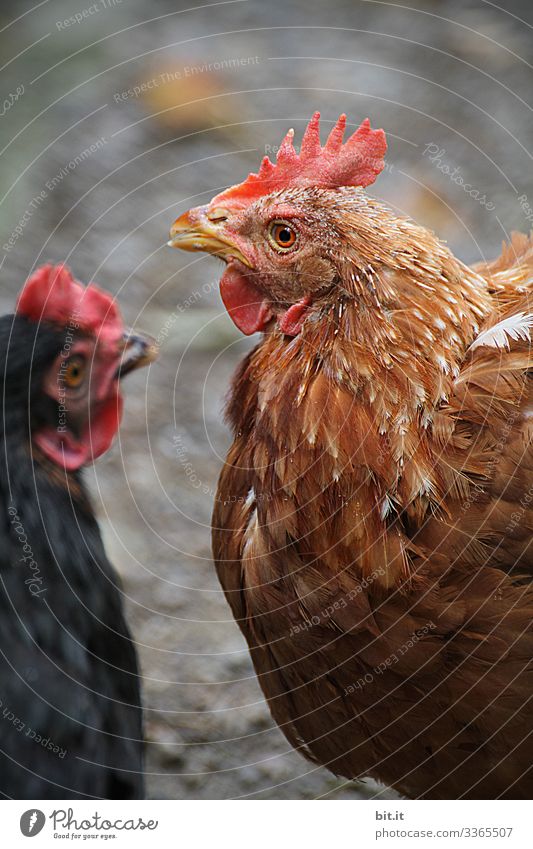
(73,372)
(282,235)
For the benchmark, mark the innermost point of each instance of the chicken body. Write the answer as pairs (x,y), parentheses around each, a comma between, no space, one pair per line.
(71,716)
(381,574)
(71,722)
(373,520)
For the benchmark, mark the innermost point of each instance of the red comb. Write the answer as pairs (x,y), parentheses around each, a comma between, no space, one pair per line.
(356,162)
(51,294)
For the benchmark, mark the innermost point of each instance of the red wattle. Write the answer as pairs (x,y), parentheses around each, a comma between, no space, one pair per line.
(291,321)
(71,452)
(244,301)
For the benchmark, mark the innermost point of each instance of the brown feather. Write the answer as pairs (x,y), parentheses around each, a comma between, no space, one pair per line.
(373,524)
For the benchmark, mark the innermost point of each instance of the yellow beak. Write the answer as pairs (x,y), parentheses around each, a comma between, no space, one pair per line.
(201,229)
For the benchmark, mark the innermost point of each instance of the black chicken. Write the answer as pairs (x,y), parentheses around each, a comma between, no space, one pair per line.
(70,709)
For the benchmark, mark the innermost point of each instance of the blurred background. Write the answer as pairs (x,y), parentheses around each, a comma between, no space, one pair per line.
(118,115)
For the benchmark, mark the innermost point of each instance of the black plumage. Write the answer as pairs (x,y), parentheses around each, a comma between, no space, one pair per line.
(70,707)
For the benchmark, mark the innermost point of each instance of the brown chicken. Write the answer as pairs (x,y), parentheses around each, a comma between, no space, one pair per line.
(373,523)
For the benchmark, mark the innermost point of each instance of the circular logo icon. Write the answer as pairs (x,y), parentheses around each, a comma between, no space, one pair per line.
(32,822)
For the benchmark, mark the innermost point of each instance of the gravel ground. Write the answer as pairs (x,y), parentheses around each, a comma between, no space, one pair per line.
(115,123)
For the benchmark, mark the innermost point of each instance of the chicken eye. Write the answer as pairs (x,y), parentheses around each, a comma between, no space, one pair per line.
(282,236)
(73,372)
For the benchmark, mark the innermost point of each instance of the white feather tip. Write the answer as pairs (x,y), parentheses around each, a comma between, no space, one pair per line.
(514,327)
